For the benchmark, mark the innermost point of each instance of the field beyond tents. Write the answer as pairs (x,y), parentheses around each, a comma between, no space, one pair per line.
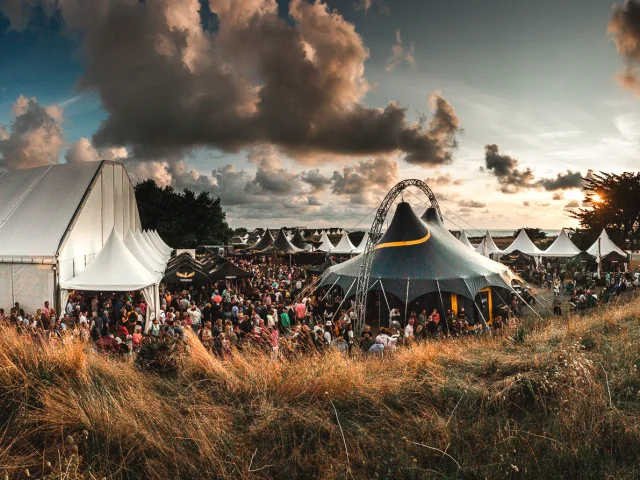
(553,398)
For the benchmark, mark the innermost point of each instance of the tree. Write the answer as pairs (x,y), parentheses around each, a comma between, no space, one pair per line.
(183,220)
(533,233)
(612,201)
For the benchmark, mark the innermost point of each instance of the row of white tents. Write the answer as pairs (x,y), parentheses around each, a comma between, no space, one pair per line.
(562,247)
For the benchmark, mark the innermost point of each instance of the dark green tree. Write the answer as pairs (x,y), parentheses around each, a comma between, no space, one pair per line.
(183,220)
(532,233)
(612,202)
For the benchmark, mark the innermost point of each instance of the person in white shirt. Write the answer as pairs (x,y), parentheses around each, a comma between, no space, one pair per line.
(408,330)
(195,316)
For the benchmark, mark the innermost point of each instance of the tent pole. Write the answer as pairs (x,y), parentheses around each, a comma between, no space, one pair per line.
(530,307)
(385,296)
(334,284)
(446,320)
(344,298)
(406,304)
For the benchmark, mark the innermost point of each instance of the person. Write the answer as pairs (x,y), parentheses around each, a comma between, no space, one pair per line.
(557,306)
(349,337)
(340,345)
(154,330)
(137,337)
(195,315)
(274,341)
(205,334)
(394,319)
(96,327)
(366,342)
(285,323)
(408,330)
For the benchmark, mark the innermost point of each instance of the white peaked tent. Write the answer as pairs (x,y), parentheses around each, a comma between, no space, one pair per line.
(151,250)
(316,234)
(153,240)
(362,245)
(325,243)
(523,244)
(465,240)
(142,255)
(605,247)
(344,247)
(116,269)
(162,242)
(487,246)
(562,246)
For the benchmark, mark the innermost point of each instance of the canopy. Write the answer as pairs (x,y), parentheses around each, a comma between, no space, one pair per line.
(113,269)
(298,241)
(325,243)
(344,246)
(151,240)
(362,245)
(265,241)
(281,244)
(524,244)
(228,271)
(150,249)
(487,246)
(161,242)
(562,246)
(141,254)
(465,240)
(414,258)
(186,271)
(604,246)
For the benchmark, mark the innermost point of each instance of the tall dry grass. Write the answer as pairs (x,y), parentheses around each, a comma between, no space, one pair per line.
(562,403)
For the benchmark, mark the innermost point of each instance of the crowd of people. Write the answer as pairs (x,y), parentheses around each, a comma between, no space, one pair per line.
(271,311)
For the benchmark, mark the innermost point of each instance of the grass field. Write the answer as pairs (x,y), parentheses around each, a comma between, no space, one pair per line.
(555,398)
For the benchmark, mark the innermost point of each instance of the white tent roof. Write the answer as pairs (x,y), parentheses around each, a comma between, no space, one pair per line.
(344,246)
(156,242)
(316,234)
(524,244)
(141,254)
(325,245)
(487,246)
(362,245)
(465,240)
(163,243)
(114,268)
(152,251)
(606,246)
(37,206)
(562,246)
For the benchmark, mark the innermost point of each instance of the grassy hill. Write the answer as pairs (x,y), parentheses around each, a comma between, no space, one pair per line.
(552,399)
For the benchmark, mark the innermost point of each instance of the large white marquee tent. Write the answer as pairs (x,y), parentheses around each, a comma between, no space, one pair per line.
(55,221)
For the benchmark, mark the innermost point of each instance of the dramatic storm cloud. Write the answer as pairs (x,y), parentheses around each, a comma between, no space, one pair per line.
(505,168)
(34,137)
(512,179)
(166,83)
(624,28)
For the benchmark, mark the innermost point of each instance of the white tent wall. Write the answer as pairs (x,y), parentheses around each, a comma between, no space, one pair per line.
(104,209)
(29,284)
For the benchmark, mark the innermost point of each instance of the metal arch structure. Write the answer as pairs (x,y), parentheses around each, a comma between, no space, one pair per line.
(362,287)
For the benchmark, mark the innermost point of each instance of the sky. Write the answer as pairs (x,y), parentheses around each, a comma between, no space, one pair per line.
(307,113)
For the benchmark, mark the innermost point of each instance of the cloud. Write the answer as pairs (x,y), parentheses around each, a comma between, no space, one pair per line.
(367,175)
(526,203)
(564,181)
(35,136)
(365,5)
(271,177)
(572,204)
(624,29)
(505,169)
(318,181)
(512,179)
(558,196)
(471,204)
(399,54)
(445,179)
(81,151)
(233,88)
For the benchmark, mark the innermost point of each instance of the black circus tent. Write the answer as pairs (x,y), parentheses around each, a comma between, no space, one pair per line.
(264,242)
(415,257)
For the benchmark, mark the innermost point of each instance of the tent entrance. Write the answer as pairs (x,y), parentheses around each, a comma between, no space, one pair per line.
(484,304)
